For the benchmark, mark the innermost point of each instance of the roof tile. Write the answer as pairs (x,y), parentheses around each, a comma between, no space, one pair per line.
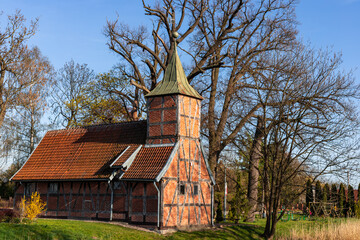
(81,152)
(148,163)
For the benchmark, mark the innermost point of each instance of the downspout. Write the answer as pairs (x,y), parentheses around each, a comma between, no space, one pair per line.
(158,212)
(212,204)
(111,200)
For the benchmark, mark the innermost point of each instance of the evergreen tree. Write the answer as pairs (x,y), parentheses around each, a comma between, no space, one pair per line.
(326,193)
(318,192)
(219,212)
(334,194)
(239,203)
(342,199)
(351,199)
(309,193)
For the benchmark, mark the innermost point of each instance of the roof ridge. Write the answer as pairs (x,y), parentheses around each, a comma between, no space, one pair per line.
(95,125)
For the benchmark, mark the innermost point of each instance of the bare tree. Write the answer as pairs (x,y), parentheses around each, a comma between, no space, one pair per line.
(13,56)
(22,126)
(223,39)
(309,123)
(32,105)
(68,93)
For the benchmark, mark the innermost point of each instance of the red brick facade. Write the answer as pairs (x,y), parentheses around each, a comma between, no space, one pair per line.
(186,185)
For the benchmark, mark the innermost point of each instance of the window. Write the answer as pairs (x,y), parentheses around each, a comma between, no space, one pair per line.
(182,189)
(29,188)
(53,187)
(196,189)
(117,185)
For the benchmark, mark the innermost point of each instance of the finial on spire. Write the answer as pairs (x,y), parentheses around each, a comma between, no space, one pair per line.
(175,34)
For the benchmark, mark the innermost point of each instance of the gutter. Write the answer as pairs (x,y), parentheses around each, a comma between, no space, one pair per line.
(212,205)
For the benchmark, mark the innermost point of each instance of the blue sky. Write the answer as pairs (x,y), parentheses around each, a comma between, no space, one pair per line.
(74,29)
(335,24)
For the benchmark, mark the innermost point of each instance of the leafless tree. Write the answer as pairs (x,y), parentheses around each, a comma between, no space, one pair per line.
(13,56)
(224,41)
(22,124)
(309,122)
(68,93)
(33,105)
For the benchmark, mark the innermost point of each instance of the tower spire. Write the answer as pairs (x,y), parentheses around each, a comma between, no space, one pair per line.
(174,81)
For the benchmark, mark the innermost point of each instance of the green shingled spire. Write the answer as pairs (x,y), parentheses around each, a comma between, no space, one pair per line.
(174,81)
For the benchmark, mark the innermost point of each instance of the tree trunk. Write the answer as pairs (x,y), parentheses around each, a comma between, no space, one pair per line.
(255,156)
(2,113)
(2,103)
(213,162)
(32,131)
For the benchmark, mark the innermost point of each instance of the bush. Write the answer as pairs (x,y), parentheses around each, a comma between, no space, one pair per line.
(8,215)
(357,209)
(239,206)
(219,213)
(32,207)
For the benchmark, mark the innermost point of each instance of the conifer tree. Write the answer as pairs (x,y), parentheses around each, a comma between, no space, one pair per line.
(342,199)
(318,192)
(309,193)
(239,203)
(334,194)
(351,200)
(219,212)
(326,193)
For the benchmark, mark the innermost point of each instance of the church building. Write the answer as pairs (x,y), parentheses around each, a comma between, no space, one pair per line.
(148,172)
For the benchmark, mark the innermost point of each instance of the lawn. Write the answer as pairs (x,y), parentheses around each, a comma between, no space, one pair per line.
(71,229)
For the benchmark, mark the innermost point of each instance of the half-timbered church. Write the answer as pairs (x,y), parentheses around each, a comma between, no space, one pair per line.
(151,171)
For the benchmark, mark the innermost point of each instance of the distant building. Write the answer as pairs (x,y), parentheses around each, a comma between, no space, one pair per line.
(151,172)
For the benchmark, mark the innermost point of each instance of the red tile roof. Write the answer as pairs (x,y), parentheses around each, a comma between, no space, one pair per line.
(81,153)
(148,163)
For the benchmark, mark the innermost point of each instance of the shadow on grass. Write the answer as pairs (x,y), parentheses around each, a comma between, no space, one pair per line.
(238,231)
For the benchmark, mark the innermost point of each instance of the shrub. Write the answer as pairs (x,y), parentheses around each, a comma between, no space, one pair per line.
(32,207)
(219,212)
(8,215)
(239,206)
(357,209)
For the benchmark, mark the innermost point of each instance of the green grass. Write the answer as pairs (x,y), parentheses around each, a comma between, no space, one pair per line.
(67,229)
(242,231)
(70,229)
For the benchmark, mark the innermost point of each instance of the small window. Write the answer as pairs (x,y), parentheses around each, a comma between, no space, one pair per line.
(182,189)
(196,189)
(53,187)
(117,185)
(29,188)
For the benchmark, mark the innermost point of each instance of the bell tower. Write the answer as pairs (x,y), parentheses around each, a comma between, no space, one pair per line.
(174,107)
